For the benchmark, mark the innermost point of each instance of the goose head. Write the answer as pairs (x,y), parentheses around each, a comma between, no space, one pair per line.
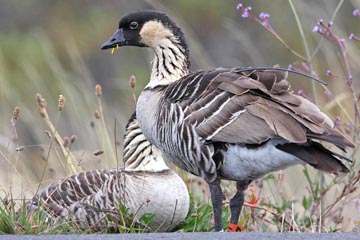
(157,31)
(145,29)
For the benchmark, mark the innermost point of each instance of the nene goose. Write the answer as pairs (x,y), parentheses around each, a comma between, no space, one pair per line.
(235,124)
(145,185)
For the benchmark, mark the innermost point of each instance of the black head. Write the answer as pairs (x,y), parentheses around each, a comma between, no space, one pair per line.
(145,29)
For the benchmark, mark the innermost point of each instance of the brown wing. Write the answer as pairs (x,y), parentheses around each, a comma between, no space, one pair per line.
(229,105)
(60,195)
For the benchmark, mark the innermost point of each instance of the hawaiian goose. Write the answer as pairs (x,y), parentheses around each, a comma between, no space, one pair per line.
(145,185)
(235,124)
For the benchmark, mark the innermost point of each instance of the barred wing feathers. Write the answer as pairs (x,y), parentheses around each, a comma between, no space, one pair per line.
(251,107)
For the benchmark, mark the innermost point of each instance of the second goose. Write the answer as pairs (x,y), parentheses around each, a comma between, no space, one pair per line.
(144,185)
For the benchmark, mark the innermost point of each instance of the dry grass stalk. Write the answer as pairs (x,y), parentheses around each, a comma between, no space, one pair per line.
(69,157)
(105,141)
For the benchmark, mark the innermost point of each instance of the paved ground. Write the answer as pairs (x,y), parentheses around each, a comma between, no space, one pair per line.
(193,236)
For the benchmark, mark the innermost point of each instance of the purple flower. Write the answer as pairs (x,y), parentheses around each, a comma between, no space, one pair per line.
(356,12)
(320,22)
(245,11)
(266,23)
(353,37)
(303,94)
(245,14)
(330,73)
(330,23)
(342,43)
(239,6)
(316,29)
(264,16)
(327,94)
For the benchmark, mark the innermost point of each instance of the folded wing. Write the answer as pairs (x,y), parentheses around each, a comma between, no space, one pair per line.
(250,107)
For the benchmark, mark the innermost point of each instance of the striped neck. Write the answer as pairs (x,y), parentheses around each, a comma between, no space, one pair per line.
(139,154)
(170,63)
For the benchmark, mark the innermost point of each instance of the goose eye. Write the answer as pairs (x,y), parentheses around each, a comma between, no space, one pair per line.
(134,25)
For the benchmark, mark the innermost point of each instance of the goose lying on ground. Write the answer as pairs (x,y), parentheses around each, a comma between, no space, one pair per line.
(235,124)
(145,185)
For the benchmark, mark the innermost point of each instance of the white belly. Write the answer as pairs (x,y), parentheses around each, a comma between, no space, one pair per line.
(241,163)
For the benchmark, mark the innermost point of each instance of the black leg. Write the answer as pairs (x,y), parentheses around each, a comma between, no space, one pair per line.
(216,199)
(237,201)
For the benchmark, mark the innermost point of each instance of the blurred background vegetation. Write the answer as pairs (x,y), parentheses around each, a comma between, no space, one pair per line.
(53,48)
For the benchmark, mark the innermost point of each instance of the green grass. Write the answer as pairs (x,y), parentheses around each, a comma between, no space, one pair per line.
(200,216)
(22,221)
